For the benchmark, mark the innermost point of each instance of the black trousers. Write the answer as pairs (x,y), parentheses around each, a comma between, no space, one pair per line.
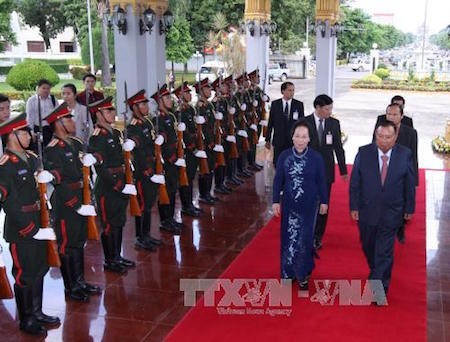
(378,247)
(276,153)
(321,221)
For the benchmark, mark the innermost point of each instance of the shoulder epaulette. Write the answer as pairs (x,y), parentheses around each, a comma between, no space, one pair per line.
(53,143)
(4,159)
(31,153)
(96,131)
(77,139)
(134,122)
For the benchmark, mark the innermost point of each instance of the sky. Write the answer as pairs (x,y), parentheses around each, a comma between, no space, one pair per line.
(409,14)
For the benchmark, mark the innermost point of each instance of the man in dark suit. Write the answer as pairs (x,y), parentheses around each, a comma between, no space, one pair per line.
(382,194)
(325,137)
(406,120)
(284,113)
(406,136)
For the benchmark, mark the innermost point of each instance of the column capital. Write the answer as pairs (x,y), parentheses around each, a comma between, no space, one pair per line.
(257,10)
(327,10)
(159,6)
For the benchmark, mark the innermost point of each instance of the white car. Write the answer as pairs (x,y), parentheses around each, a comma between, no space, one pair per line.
(276,72)
(361,65)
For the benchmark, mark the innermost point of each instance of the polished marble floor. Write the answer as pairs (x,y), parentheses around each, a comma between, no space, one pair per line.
(145,304)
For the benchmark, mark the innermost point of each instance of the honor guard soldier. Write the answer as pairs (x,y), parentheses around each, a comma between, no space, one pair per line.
(142,131)
(62,159)
(111,191)
(243,100)
(259,100)
(205,112)
(220,105)
(166,125)
(27,240)
(187,116)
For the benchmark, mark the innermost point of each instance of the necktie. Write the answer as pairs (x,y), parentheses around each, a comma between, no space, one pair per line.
(384,168)
(286,109)
(320,131)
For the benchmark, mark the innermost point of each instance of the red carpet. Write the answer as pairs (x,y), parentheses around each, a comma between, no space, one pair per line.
(404,319)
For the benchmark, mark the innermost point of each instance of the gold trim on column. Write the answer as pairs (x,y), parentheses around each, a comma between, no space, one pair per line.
(159,6)
(257,10)
(327,10)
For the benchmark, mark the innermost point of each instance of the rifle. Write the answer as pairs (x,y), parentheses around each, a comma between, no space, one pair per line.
(263,107)
(220,158)
(243,123)
(254,119)
(163,195)
(135,210)
(52,248)
(183,178)
(92,231)
(204,169)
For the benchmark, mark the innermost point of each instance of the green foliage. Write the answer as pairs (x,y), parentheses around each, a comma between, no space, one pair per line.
(441,39)
(5,69)
(290,16)
(97,43)
(382,66)
(411,75)
(78,71)
(382,73)
(47,15)
(369,79)
(6,34)
(179,44)
(25,75)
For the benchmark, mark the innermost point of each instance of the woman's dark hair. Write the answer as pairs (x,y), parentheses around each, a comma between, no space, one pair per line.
(322,100)
(299,123)
(71,86)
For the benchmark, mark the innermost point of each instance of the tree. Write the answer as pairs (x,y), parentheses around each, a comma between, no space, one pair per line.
(179,44)
(106,71)
(6,34)
(47,15)
(97,41)
(441,39)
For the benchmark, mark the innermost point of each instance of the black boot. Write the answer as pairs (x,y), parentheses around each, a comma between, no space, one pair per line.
(117,234)
(28,322)
(175,223)
(87,288)
(147,227)
(203,189)
(209,182)
(72,290)
(191,198)
(41,318)
(108,249)
(141,235)
(187,208)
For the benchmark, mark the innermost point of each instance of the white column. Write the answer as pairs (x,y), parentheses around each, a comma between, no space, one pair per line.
(130,56)
(325,62)
(155,46)
(257,52)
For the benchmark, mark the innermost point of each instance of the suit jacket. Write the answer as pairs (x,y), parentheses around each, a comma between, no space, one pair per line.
(331,126)
(93,97)
(406,120)
(407,137)
(282,125)
(382,204)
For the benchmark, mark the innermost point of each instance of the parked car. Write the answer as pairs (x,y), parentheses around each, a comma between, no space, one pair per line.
(276,72)
(359,64)
(211,70)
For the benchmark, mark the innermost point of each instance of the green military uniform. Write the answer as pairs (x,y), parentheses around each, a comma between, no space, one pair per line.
(242,98)
(105,145)
(20,201)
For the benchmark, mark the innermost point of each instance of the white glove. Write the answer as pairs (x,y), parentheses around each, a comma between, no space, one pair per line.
(159,140)
(181,127)
(265,98)
(44,177)
(200,120)
(218,116)
(158,179)
(87,210)
(128,145)
(45,234)
(129,189)
(200,154)
(231,139)
(180,162)
(255,103)
(243,106)
(232,110)
(263,123)
(242,133)
(2,262)
(254,127)
(89,160)
(218,148)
